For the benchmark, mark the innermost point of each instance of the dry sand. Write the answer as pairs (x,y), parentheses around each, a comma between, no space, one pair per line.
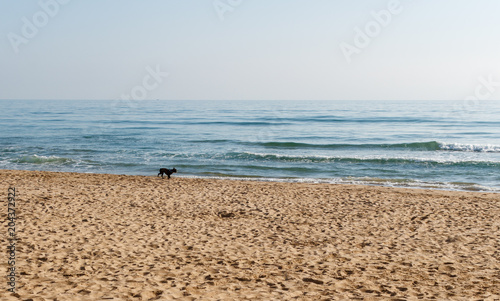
(113,237)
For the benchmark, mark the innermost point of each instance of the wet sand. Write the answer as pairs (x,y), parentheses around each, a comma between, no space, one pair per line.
(115,237)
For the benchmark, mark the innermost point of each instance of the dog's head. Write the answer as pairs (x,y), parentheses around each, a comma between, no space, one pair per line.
(174,170)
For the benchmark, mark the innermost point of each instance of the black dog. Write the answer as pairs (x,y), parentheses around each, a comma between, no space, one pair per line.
(168,172)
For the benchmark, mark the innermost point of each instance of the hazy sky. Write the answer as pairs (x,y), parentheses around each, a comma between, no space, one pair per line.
(249,49)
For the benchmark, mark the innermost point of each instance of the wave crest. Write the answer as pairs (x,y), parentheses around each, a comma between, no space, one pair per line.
(458,147)
(416,146)
(36,159)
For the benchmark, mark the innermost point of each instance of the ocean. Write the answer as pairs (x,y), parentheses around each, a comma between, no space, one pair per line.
(451,145)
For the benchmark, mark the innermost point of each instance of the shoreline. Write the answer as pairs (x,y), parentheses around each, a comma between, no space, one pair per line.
(117,237)
(372,182)
(368,182)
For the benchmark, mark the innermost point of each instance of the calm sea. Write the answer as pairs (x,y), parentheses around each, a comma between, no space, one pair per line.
(431,144)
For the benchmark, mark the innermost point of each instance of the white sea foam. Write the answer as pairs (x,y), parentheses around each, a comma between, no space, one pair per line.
(488,148)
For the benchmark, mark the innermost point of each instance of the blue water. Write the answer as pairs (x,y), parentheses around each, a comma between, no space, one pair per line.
(429,144)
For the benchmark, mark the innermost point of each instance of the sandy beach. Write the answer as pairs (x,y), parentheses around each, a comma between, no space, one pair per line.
(116,237)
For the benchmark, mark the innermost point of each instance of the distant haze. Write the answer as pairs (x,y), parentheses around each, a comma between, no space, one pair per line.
(250,49)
